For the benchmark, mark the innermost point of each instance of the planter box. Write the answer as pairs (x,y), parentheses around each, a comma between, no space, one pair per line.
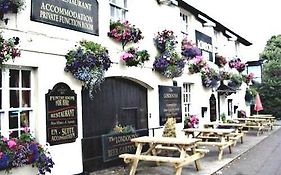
(25,170)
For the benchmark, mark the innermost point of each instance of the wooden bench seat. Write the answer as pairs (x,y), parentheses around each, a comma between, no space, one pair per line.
(177,161)
(163,147)
(221,146)
(259,128)
(128,157)
(208,137)
(236,136)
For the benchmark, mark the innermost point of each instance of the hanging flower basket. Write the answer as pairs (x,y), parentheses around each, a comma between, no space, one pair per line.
(250,96)
(10,6)
(87,63)
(248,78)
(133,57)
(220,61)
(124,32)
(237,64)
(235,81)
(169,64)
(189,49)
(8,49)
(165,41)
(210,77)
(196,64)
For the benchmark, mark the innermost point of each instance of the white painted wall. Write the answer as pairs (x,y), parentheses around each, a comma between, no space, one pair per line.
(44,46)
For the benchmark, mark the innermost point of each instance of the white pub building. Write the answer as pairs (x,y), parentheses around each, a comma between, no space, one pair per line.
(37,92)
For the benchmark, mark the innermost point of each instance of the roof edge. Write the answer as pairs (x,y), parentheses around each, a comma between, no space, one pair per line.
(218,27)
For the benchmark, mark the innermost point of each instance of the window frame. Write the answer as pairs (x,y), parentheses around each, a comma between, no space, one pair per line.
(123,9)
(20,110)
(184,19)
(187,98)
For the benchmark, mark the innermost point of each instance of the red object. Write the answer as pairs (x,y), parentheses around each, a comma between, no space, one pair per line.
(258,105)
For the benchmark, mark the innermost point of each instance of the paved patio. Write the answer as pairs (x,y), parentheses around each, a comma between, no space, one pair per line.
(209,164)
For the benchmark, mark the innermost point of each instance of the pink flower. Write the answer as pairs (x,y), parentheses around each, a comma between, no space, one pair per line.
(11,143)
(4,139)
(26,129)
(198,59)
(126,56)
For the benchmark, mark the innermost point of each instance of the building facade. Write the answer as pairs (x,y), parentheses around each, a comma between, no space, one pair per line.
(48,30)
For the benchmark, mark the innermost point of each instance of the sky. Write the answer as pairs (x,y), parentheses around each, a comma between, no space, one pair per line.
(254,20)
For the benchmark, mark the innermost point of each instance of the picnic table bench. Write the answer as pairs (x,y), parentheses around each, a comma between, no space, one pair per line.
(186,147)
(212,137)
(238,127)
(270,120)
(253,123)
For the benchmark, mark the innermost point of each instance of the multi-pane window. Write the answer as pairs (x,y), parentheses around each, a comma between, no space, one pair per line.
(184,24)
(118,9)
(16,107)
(187,98)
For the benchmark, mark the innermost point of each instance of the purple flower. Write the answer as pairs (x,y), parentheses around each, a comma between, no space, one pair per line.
(191,52)
(4,160)
(165,40)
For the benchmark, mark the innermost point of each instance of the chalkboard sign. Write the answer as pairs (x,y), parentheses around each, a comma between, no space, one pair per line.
(79,15)
(169,103)
(61,109)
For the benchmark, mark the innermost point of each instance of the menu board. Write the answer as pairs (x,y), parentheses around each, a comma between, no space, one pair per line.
(61,109)
(170,103)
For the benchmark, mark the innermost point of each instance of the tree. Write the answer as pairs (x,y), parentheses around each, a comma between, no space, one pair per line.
(270,88)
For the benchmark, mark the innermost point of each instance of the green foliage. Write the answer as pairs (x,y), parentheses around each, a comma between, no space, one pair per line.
(223,117)
(272,50)
(122,129)
(270,88)
(272,72)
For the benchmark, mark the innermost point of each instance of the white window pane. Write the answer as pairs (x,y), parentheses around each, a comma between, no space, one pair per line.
(123,14)
(112,11)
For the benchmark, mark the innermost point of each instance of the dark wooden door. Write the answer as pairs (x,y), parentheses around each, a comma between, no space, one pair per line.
(119,101)
(213,108)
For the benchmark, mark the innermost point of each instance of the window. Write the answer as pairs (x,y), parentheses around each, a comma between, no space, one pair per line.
(118,9)
(184,24)
(187,98)
(16,106)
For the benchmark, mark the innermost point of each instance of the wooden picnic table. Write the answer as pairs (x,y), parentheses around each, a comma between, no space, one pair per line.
(186,147)
(238,127)
(213,137)
(253,123)
(268,117)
